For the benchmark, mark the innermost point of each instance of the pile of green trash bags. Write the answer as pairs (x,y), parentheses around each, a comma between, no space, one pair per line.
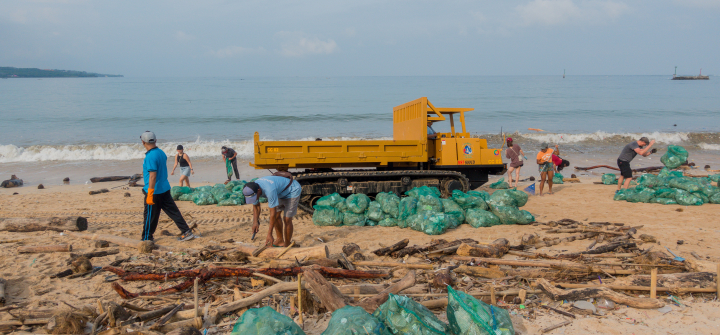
(671,188)
(674,157)
(500,185)
(609,179)
(229,194)
(398,315)
(423,210)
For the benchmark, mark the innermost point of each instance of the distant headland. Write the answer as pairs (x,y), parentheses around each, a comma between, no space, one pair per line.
(15,72)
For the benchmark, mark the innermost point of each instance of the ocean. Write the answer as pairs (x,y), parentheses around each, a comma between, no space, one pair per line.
(53,127)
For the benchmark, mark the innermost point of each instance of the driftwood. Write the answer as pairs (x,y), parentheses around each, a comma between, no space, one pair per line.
(44,248)
(651,168)
(557,241)
(370,304)
(3,285)
(328,294)
(597,292)
(167,316)
(106,179)
(610,247)
(433,246)
(477,271)
(675,280)
(22,225)
(395,247)
(555,326)
(195,323)
(102,190)
(90,255)
(320,251)
(497,248)
(395,264)
(122,241)
(559,311)
(255,298)
(147,316)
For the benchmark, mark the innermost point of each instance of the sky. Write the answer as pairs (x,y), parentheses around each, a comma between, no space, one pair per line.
(214,38)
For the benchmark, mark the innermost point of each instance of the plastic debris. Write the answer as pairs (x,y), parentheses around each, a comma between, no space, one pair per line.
(609,179)
(327,216)
(403,315)
(265,321)
(353,320)
(468,315)
(500,184)
(674,157)
(357,203)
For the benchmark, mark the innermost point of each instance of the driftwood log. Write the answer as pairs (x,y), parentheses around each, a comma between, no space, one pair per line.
(44,248)
(432,246)
(672,281)
(651,168)
(395,247)
(477,271)
(90,255)
(3,285)
(123,241)
(497,248)
(102,190)
(111,178)
(597,292)
(320,251)
(23,225)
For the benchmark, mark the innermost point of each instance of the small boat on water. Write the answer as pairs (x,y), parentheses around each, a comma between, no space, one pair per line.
(698,77)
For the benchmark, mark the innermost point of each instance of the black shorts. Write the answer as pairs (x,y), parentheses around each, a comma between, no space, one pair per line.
(625,169)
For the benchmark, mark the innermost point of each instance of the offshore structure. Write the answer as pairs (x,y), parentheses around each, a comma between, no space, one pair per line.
(698,77)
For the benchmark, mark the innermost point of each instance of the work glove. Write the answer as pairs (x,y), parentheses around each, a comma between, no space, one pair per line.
(150,194)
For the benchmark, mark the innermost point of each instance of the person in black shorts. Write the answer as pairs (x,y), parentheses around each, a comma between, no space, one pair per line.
(642,147)
(230,154)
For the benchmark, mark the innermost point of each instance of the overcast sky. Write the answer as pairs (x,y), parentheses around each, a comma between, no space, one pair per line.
(360,38)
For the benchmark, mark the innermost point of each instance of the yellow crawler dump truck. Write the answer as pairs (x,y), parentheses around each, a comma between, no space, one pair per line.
(449,161)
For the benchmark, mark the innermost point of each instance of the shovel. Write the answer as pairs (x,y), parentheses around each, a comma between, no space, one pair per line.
(677,258)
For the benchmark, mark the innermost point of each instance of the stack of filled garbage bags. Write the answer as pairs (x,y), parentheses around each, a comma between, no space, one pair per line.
(670,187)
(423,209)
(398,315)
(229,194)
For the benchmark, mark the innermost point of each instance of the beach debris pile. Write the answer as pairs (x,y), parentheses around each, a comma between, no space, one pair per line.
(229,194)
(14,181)
(424,210)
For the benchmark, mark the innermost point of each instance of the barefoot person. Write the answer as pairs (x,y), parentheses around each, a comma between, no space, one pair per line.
(230,155)
(283,194)
(157,191)
(545,166)
(185,166)
(642,147)
(515,154)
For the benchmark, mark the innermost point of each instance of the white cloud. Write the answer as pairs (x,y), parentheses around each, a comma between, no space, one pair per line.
(183,37)
(234,51)
(295,44)
(556,12)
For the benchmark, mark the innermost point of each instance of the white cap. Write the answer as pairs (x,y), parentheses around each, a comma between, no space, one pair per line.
(148,137)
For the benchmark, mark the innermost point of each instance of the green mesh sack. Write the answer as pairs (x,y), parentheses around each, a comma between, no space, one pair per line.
(500,185)
(203,198)
(177,191)
(513,198)
(375,212)
(685,198)
(219,185)
(341,206)
(206,188)
(357,203)
(708,190)
(389,202)
(327,216)
(705,199)
(234,200)
(609,179)
(265,321)
(715,177)
(467,201)
(388,222)
(455,214)
(643,195)
(423,190)
(429,203)
(232,184)
(353,320)
(511,215)
(715,199)
(408,206)
(674,157)
(330,200)
(667,173)
(664,201)
(477,218)
(665,192)
(558,178)
(353,219)
(370,223)
(468,315)
(621,195)
(238,189)
(186,197)
(220,194)
(403,315)
(262,200)
(685,183)
(528,218)
(431,223)
(649,180)
(482,194)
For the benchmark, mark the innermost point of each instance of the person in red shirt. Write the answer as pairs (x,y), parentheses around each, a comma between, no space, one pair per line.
(558,162)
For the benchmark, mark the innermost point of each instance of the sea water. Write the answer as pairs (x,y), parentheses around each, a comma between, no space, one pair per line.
(83,126)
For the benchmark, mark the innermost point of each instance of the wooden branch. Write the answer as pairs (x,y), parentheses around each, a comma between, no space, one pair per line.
(477,271)
(22,225)
(395,247)
(292,244)
(256,274)
(651,168)
(100,191)
(122,241)
(257,297)
(372,303)
(315,252)
(597,292)
(556,326)
(610,247)
(195,323)
(395,264)
(106,179)
(559,311)
(328,294)
(149,315)
(90,255)
(45,248)
(641,288)
(497,249)
(167,317)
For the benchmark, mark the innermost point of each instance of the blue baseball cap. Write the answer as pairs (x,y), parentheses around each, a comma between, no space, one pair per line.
(250,191)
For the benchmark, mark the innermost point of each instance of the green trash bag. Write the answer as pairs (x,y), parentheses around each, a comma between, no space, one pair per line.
(468,315)
(206,188)
(185,197)
(327,216)
(431,223)
(388,222)
(715,177)
(353,320)
(330,200)
(203,198)
(375,212)
(455,214)
(558,178)
(234,200)
(665,192)
(357,203)
(265,321)
(177,191)
(705,199)
(715,199)
(220,194)
(423,190)
(674,157)
(389,202)
(482,194)
(513,198)
(429,203)
(403,315)
(686,198)
(238,189)
(708,190)
(512,215)
(232,184)
(477,218)
(218,185)
(621,195)
(609,179)
(649,180)
(500,185)
(353,219)
(685,183)
(370,223)
(408,206)
(467,201)
(664,201)
(643,195)
(342,206)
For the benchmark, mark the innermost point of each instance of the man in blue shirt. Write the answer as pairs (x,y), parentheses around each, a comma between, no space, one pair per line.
(283,194)
(157,191)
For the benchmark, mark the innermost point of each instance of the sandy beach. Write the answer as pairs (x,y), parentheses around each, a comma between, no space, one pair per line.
(118,214)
